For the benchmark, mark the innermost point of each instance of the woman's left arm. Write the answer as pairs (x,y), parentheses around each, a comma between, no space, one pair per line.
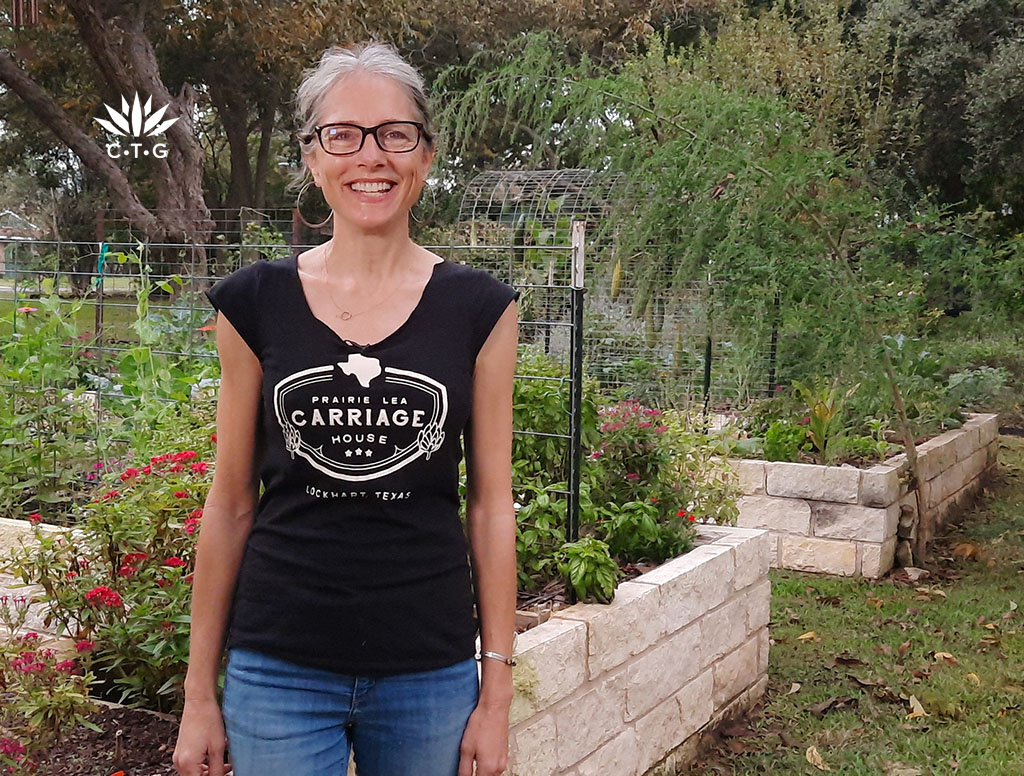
(492,539)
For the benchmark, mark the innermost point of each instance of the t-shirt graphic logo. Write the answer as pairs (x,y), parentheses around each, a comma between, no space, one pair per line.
(356,420)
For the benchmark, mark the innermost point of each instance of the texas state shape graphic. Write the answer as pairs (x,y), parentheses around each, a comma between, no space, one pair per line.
(364,368)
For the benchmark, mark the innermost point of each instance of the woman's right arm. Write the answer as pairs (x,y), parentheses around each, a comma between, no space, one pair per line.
(227,519)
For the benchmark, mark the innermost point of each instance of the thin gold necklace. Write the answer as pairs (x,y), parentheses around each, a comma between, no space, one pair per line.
(346,314)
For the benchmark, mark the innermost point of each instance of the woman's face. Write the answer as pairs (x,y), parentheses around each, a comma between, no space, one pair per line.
(372,190)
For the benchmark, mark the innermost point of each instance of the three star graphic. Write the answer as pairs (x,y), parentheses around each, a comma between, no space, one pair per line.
(358,451)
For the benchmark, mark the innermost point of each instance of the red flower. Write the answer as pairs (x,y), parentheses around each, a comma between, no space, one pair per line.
(644,424)
(127,570)
(103,595)
(175,467)
(180,494)
(30,636)
(164,582)
(200,467)
(691,518)
(196,514)
(71,575)
(184,455)
(654,499)
(661,429)
(65,666)
(211,327)
(11,746)
(681,513)
(85,645)
(188,579)
(147,469)
(128,474)
(110,494)
(174,561)
(159,458)
(213,437)
(35,518)
(167,625)
(135,557)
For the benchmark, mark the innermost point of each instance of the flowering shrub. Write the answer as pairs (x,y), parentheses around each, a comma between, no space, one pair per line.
(119,581)
(46,693)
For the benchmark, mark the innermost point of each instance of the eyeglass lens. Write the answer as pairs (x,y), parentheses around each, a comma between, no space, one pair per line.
(395,136)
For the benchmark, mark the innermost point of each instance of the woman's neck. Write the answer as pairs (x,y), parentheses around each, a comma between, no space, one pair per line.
(368,258)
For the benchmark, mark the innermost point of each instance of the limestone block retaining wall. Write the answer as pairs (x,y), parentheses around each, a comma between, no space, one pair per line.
(844,520)
(624,689)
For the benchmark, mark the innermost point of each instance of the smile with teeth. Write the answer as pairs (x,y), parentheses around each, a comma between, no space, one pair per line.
(373,187)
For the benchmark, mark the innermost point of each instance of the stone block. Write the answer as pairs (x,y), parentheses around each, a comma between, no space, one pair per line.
(786,515)
(968,439)
(988,429)
(618,756)
(722,630)
(627,626)
(692,583)
(776,545)
(763,650)
(992,453)
(534,749)
(877,559)
(759,610)
(811,481)
(936,455)
(657,674)
(552,664)
(674,720)
(751,548)
(849,521)
(879,486)
(828,556)
(974,466)
(585,722)
(751,476)
(735,672)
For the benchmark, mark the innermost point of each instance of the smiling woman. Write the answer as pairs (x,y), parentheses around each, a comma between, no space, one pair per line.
(328,586)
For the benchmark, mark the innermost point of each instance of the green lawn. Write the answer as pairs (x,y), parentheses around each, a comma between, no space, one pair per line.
(954,641)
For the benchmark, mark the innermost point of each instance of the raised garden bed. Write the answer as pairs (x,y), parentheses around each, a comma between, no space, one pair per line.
(849,521)
(628,688)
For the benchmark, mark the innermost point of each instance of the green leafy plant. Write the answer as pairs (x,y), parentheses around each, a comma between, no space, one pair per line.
(785,441)
(47,693)
(826,422)
(121,577)
(590,569)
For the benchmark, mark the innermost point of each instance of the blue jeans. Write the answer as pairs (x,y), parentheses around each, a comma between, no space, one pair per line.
(287,719)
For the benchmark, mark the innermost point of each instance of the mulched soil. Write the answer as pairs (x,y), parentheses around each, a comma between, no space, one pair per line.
(137,742)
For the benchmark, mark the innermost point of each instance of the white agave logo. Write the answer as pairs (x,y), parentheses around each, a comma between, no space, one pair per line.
(136,120)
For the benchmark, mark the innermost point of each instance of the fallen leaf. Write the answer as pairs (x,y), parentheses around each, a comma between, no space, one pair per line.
(809,636)
(815,759)
(904,647)
(974,678)
(900,769)
(866,682)
(948,658)
(845,660)
(836,703)
(795,687)
(916,709)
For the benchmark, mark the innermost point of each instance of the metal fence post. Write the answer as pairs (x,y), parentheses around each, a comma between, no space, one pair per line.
(579,230)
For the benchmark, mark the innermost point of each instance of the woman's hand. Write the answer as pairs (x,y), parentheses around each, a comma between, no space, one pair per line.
(201,740)
(485,741)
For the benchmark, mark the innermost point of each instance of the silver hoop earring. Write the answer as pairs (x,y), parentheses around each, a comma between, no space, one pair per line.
(433,205)
(302,218)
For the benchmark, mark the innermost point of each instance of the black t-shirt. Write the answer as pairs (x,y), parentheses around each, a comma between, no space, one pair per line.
(357,561)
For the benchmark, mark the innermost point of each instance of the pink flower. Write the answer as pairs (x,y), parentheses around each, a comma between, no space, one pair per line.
(180,494)
(652,412)
(633,477)
(27,309)
(200,467)
(85,645)
(661,429)
(11,746)
(644,424)
(174,561)
(35,518)
(104,595)
(596,454)
(65,666)
(30,636)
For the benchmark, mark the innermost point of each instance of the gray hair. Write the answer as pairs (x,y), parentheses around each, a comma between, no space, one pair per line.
(338,63)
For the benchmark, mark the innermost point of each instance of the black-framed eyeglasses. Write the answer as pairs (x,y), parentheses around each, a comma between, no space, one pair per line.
(394,137)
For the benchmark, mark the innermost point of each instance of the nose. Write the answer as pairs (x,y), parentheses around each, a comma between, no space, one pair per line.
(371,152)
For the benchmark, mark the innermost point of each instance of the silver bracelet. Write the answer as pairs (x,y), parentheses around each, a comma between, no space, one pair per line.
(509,661)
